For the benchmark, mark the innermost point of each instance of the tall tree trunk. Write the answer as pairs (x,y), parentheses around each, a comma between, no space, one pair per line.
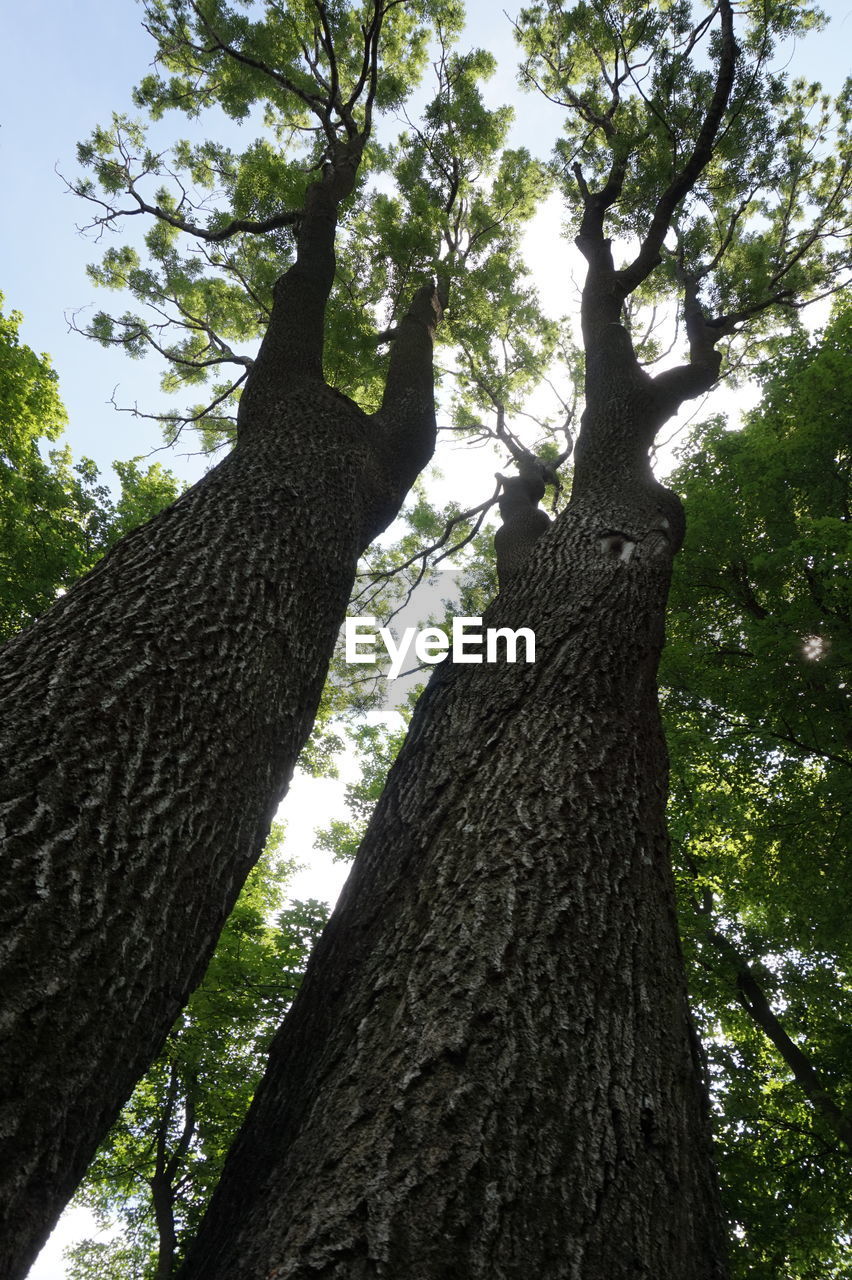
(167,1165)
(490,1072)
(162,1198)
(150,722)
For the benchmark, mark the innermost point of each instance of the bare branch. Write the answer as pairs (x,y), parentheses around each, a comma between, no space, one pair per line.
(422,556)
(328,48)
(177,420)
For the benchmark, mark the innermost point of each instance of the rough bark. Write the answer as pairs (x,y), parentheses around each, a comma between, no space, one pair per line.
(149,725)
(489,1072)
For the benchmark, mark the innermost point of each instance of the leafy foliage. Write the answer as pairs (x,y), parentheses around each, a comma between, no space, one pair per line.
(443,198)
(756,678)
(662,109)
(58,520)
(376,748)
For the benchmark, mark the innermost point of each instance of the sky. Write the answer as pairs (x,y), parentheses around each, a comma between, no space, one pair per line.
(68,65)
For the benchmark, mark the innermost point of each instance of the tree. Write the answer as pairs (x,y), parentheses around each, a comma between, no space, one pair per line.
(759,806)
(57,520)
(419,1116)
(157,709)
(621,527)
(755,674)
(749,824)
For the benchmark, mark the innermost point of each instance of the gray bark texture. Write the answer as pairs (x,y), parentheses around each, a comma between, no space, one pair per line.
(150,722)
(489,1072)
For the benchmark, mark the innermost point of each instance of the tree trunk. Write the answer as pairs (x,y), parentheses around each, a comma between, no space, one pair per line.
(163,1200)
(490,1072)
(150,723)
(166,1167)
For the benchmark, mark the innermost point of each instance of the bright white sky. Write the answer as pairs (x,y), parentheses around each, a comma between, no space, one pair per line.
(67,67)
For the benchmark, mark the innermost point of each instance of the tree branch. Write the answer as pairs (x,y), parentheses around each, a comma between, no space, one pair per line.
(751,996)
(406,419)
(630,277)
(252,226)
(687,381)
(317,105)
(422,556)
(179,421)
